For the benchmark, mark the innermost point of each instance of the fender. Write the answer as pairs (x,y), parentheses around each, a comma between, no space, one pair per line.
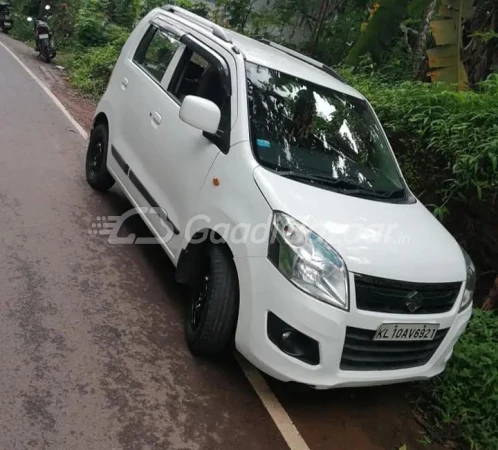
(233,207)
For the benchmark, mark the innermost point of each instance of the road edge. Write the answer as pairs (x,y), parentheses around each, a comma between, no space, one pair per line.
(52,96)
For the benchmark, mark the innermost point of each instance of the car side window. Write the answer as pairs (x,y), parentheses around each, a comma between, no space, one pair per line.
(196,76)
(155,52)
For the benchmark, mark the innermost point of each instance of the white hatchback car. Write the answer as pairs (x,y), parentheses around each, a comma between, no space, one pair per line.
(272,187)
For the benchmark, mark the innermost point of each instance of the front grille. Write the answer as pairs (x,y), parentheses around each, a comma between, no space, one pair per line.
(361,352)
(400,297)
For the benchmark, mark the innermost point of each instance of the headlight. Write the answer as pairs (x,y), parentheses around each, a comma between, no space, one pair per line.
(308,261)
(470,283)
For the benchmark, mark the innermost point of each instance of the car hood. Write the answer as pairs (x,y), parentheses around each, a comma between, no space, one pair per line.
(386,240)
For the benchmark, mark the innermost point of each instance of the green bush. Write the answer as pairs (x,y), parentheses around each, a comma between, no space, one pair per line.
(90,28)
(90,70)
(462,404)
(22,29)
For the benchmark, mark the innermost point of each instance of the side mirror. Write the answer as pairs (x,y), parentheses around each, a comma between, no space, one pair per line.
(47,7)
(200,113)
(29,19)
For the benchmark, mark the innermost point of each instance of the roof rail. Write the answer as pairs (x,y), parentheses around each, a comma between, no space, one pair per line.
(218,31)
(306,59)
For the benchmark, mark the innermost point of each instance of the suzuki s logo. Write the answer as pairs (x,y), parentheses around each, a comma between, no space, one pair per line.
(414,301)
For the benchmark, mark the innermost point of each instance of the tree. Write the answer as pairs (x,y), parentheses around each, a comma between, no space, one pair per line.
(43,4)
(380,31)
(124,12)
(446,59)
(419,56)
(491,301)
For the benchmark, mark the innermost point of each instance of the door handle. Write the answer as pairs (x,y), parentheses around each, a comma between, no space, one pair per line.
(124,83)
(156,118)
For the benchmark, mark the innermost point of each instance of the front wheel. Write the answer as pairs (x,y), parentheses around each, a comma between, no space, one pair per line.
(97,174)
(214,304)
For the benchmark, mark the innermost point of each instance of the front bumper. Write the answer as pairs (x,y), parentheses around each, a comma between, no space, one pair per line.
(263,289)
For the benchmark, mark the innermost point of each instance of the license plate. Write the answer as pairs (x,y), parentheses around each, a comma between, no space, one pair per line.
(6,23)
(43,36)
(406,332)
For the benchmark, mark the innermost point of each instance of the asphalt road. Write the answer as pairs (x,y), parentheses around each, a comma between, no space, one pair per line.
(91,343)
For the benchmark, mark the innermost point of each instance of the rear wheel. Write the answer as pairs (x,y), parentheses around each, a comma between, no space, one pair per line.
(214,305)
(45,51)
(97,174)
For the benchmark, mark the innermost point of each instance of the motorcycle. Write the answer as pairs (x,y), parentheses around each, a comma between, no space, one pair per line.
(6,20)
(43,37)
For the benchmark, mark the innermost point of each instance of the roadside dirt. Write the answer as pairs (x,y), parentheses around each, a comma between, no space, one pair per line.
(347,419)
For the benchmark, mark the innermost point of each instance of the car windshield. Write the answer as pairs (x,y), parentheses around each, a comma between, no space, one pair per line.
(318,135)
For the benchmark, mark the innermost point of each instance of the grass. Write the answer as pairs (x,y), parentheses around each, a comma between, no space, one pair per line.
(462,404)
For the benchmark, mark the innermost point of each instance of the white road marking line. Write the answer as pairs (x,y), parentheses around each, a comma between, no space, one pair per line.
(277,412)
(76,125)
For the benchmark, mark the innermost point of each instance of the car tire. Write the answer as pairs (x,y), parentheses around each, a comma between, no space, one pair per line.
(214,305)
(97,174)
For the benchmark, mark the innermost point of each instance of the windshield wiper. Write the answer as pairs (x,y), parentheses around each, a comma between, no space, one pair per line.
(342,184)
(397,193)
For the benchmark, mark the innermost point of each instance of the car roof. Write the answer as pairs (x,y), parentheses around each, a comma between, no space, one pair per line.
(260,52)
(265,55)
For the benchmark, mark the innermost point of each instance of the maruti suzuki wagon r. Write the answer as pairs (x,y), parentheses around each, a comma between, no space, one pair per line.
(271,185)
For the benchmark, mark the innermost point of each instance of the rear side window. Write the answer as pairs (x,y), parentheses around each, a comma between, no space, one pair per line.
(155,52)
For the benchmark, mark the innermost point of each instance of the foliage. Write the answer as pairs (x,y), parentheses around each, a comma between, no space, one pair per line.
(124,12)
(462,403)
(91,70)
(22,30)
(234,13)
(197,7)
(339,34)
(382,28)
(90,24)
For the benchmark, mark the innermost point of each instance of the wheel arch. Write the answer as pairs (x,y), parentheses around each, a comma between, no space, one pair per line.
(101,119)
(196,249)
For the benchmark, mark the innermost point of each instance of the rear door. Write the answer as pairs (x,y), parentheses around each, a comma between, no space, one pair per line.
(141,91)
(141,76)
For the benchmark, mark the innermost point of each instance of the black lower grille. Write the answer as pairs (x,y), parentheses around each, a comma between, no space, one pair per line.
(400,297)
(361,352)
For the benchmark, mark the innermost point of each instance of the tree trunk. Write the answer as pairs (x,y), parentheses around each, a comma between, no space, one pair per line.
(419,57)
(491,301)
(320,21)
(43,3)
